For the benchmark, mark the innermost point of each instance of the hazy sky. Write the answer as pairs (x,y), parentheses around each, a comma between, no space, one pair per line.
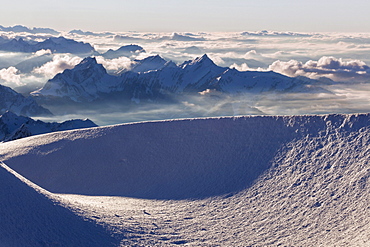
(190,15)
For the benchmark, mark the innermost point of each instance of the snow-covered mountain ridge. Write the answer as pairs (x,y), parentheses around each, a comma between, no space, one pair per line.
(20,28)
(54,44)
(15,102)
(154,79)
(14,127)
(231,141)
(254,181)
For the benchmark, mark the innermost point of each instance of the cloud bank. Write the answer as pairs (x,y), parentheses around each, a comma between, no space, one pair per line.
(339,57)
(10,76)
(57,65)
(330,67)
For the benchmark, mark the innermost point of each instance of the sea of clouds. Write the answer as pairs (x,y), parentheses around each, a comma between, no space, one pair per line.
(339,61)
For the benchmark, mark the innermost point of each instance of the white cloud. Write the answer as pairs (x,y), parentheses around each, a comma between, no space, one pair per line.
(42,52)
(10,76)
(331,67)
(57,65)
(242,67)
(116,64)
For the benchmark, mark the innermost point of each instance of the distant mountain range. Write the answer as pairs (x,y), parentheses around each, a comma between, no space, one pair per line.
(14,127)
(126,51)
(20,28)
(54,44)
(80,32)
(154,80)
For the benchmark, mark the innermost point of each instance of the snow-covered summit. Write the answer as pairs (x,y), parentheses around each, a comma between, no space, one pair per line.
(82,83)
(199,61)
(127,51)
(89,81)
(150,63)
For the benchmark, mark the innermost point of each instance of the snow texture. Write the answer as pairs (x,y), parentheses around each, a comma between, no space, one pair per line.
(30,218)
(250,181)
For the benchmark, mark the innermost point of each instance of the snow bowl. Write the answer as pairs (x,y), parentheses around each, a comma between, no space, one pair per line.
(178,159)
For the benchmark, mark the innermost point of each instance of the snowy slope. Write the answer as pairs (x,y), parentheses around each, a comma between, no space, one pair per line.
(30,217)
(252,181)
(150,64)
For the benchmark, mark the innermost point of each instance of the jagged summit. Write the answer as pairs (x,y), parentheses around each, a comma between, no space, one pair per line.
(153,79)
(86,63)
(200,61)
(148,64)
(203,59)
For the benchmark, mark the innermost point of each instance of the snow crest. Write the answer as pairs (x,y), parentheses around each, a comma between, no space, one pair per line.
(251,181)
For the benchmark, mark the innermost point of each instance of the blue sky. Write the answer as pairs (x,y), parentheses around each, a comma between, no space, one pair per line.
(190,15)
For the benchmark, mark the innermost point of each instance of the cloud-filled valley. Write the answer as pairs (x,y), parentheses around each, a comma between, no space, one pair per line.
(338,61)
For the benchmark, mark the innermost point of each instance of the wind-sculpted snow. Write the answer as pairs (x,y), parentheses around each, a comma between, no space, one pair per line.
(30,218)
(253,181)
(165,160)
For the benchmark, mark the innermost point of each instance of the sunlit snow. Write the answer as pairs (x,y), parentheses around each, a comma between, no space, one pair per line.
(247,181)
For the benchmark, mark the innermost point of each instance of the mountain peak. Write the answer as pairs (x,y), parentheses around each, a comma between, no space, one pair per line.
(150,63)
(87,63)
(89,60)
(9,114)
(203,60)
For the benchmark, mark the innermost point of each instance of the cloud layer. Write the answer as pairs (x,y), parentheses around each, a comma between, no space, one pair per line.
(57,65)
(330,67)
(10,76)
(339,57)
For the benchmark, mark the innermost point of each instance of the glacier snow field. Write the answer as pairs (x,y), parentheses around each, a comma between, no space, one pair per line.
(230,181)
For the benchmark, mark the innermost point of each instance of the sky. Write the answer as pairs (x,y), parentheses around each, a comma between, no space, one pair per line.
(191,15)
